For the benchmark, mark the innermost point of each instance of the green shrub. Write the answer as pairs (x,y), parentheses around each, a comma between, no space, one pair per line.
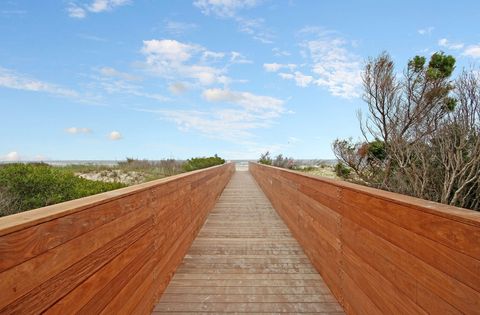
(341,170)
(29,186)
(202,162)
(265,158)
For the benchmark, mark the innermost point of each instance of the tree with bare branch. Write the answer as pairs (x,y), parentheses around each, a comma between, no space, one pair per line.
(421,133)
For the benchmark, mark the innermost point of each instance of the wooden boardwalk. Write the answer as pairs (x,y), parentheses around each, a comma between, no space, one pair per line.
(245,260)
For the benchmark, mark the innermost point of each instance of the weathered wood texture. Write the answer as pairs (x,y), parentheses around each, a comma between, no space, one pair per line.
(380,252)
(112,253)
(245,260)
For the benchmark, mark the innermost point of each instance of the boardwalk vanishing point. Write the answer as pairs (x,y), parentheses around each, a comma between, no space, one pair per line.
(245,260)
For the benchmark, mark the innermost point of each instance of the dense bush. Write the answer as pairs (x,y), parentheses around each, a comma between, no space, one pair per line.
(28,186)
(202,162)
(341,170)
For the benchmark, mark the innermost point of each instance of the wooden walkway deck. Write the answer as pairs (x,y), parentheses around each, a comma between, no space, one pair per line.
(245,260)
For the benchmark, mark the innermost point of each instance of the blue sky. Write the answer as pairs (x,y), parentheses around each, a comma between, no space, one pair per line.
(109,79)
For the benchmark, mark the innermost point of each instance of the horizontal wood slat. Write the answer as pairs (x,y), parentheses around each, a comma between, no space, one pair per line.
(252,267)
(113,252)
(380,252)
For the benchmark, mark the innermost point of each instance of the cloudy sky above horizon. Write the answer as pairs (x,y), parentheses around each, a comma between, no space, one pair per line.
(109,79)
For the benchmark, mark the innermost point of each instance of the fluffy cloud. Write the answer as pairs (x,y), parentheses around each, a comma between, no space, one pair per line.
(172,59)
(74,11)
(11,157)
(330,62)
(234,123)
(115,135)
(447,44)
(12,80)
(79,11)
(472,51)
(77,130)
(335,67)
(268,106)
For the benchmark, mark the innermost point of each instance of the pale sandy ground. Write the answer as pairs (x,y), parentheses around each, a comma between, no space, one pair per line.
(326,171)
(111,176)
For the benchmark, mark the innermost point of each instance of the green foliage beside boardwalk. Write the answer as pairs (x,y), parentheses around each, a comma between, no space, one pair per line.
(202,162)
(30,186)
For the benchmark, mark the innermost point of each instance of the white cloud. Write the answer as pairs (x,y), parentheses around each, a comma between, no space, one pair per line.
(269,106)
(113,81)
(178,88)
(115,135)
(11,157)
(79,11)
(300,79)
(426,31)
(472,51)
(274,67)
(74,11)
(443,42)
(333,65)
(224,8)
(236,57)
(12,80)
(78,130)
(234,123)
(172,59)
(106,5)
(229,9)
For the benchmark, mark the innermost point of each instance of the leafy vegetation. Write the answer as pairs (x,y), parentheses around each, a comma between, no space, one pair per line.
(278,161)
(425,128)
(29,186)
(202,162)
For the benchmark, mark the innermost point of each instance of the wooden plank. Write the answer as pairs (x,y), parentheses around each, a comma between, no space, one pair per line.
(393,253)
(253,266)
(22,245)
(80,256)
(83,293)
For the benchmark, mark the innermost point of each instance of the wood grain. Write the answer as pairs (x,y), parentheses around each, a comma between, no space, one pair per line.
(380,252)
(245,259)
(100,252)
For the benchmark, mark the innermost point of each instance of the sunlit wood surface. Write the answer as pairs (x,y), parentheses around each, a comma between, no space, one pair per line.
(245,260)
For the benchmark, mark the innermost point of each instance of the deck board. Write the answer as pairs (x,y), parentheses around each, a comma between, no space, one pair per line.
(244,260)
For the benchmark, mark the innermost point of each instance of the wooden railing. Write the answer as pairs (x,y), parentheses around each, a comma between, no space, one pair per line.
(112,253)
(380,252)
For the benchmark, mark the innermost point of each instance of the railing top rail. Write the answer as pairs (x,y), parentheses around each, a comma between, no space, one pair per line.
(451,212)
(22,220)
